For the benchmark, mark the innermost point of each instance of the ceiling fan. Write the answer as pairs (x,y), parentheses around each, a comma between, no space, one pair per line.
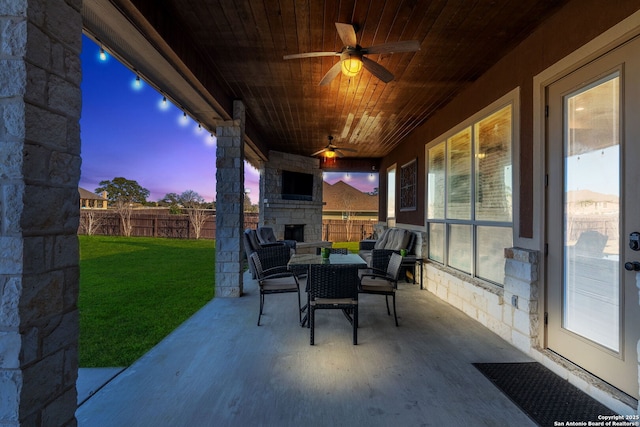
(352,58)
(331,150)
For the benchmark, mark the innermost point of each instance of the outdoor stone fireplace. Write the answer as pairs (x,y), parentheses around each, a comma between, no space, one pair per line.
(294,208)
(294,232)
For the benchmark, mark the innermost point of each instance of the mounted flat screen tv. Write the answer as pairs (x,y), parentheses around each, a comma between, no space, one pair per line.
(297,186)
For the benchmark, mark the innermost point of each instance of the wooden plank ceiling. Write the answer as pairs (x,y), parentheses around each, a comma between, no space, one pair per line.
(235,48)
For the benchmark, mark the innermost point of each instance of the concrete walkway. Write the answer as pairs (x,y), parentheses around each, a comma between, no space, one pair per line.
(220,369)
(90,380)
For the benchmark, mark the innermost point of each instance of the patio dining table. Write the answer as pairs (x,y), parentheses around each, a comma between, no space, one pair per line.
(334,259)
(299,262)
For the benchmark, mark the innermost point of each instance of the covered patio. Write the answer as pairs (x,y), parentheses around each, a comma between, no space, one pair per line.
(495,69)
(219,368)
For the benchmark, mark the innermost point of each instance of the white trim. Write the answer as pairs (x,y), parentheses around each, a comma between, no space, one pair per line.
(392,218)
(510,98)
(607,41)
(615,36)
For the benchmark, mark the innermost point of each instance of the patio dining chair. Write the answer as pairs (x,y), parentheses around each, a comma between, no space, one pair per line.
(251,244)
(333,287)
(273,280)
(383,283)
(267,236)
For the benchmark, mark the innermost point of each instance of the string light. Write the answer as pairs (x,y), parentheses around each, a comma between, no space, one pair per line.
(137,83)
(164,104)
(183,120)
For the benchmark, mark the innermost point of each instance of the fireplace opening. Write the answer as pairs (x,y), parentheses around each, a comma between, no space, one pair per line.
(294,232)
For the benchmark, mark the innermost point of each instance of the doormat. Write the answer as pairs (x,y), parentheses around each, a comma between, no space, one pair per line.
(545,397)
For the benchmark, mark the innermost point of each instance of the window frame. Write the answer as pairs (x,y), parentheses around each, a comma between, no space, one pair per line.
(409,186)
(391,192)
(511,100)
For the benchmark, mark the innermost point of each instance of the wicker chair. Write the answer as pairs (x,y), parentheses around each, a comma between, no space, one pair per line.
(274,259)
(333,287)
(266,236)
(251,244)
(380,259)
(273,280)
(384,284)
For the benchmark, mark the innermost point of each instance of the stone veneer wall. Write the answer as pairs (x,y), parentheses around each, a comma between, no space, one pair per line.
(513,314)
(514,319)
(275,212)
(40,104)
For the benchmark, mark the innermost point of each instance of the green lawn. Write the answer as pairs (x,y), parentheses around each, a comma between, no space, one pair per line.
(352,246)
(135,291)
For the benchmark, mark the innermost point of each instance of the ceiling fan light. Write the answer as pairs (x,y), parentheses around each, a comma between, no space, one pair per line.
(329,154)
(351,65)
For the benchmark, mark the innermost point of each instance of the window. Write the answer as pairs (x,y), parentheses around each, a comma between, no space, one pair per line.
(469,199)
(408,190)
(391,192)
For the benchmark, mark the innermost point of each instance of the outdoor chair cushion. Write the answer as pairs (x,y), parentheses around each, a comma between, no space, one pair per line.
(392,239)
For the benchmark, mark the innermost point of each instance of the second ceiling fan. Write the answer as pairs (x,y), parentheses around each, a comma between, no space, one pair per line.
(352,58)
(331,150)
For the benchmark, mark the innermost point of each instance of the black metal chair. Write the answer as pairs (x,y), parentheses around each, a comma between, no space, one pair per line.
(384,283)
(333,287)
(273,280)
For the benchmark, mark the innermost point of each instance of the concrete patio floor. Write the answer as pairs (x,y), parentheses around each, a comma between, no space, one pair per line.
(220,369)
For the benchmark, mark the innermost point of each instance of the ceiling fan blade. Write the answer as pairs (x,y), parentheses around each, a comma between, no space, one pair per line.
(377,70)
(347,149)
(319,152)
(310,55)
(405,46)
(347,34)
(331,74)
(339,153)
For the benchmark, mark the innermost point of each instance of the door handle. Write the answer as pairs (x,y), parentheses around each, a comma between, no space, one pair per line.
(632,266)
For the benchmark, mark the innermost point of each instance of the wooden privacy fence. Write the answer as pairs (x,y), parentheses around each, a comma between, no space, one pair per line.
(162,224)
(336,230)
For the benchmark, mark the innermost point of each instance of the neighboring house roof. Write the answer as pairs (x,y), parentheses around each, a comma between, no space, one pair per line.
(88,195)
(341,197)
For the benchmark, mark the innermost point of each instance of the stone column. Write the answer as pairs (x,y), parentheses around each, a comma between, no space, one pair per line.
(40,103)
(230,203)
(521,297)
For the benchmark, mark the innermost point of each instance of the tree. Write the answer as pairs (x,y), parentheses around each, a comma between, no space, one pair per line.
(172,200)
(122,193)
(248,207)
(347,211)
(193,203)
(122,189)
(90,221)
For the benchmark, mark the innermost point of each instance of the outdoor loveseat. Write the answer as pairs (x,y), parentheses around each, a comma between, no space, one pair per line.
(377,252)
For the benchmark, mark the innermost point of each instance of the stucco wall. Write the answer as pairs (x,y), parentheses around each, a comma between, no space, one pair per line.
(573,26)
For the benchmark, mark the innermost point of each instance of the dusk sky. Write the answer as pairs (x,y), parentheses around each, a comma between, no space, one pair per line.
(126,132)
